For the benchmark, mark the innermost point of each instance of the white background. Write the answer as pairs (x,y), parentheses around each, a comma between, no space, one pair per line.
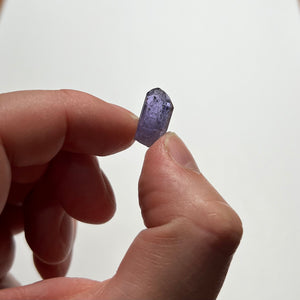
(232,69)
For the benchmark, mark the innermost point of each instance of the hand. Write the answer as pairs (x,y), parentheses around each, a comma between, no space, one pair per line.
(1,3)
(49,175)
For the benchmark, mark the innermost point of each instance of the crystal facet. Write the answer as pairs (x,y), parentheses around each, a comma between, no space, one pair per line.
(155,117)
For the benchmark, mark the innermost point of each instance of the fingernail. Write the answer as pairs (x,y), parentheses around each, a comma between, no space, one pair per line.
(122,109)
(179,152)
(133,116)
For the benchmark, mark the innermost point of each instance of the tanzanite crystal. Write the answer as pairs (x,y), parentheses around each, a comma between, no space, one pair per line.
(155,117)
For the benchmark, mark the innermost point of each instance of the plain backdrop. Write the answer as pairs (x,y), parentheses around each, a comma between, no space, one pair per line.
(232,69)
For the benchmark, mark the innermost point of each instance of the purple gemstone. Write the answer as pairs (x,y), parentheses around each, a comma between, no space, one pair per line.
(155,117)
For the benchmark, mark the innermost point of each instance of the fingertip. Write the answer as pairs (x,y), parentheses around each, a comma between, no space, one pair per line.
(82,188)
(170,148)
(49,231)
(116,130)
(8,281)
(7,250)
(179,152)
(124,110)
(13,217)
(52,270)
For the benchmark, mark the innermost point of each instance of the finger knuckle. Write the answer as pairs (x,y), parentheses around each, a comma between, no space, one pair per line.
(226,229)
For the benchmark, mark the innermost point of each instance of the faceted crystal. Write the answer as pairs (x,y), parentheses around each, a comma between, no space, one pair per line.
(155,117)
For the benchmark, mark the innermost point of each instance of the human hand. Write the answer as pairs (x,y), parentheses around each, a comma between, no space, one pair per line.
(48,140)
(1,3)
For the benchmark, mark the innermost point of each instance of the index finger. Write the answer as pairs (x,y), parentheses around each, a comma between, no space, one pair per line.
(36,125)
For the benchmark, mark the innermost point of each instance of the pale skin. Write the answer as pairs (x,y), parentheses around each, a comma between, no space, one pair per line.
(49,175)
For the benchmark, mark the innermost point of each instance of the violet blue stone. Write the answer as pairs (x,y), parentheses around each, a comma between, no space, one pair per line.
(155,117)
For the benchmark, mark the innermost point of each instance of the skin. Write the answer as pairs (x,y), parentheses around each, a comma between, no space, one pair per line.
(49,176)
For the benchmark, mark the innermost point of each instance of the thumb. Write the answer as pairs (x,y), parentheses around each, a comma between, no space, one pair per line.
(192,232)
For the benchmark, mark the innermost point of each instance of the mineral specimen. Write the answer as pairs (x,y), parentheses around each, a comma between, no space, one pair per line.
(155,117)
